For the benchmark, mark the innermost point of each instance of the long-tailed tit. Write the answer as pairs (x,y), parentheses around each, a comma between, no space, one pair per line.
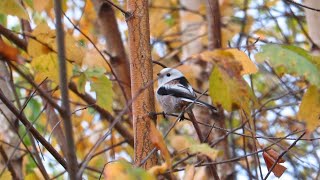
(174,92)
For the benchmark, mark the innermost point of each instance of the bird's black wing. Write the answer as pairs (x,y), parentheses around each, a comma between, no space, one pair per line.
(176,92)
(182,93)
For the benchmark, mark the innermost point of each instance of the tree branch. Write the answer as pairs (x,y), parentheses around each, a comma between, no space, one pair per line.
(33,131)
(63,82)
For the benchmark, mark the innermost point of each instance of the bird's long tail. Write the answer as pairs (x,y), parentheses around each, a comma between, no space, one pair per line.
(201,103)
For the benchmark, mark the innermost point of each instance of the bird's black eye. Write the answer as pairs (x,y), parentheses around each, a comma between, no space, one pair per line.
(168,74)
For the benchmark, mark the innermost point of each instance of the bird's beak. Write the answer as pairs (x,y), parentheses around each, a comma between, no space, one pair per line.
(158,74)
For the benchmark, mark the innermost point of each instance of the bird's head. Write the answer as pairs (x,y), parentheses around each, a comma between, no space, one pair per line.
(168,74)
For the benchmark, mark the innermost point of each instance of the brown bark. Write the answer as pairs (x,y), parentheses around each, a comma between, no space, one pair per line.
(214,24)
(214,37)
(141,76)
(114,45)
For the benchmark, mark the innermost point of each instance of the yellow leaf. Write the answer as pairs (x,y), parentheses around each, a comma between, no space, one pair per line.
(6,175)
(248,67)
(74,52)
(122,170)
(230,55)
(44,41)
(13,7)
(44,38)
(155,170)
(179,142)
(46,66)
(231,92)
(309,110)
(227,87)
(204,149)
(32,176)
(40,5)
(115,170)
(93,59)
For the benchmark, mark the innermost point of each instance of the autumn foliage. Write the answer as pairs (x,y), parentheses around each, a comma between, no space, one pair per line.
(257,62)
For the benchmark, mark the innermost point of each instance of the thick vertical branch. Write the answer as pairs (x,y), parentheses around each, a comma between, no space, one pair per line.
(72,165)
(214,24)
(214,35)
(141,75)
(109,28)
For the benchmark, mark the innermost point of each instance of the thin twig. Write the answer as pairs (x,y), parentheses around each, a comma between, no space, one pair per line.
(126,13)
(33,131)
(301,5)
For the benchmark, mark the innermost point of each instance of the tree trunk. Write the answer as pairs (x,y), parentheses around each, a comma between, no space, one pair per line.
(7,129)
(313,23)
(114,45)
(141,80)
(214,41)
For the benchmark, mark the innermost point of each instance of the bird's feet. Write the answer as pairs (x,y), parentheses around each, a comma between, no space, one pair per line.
(153,115)
(181,117)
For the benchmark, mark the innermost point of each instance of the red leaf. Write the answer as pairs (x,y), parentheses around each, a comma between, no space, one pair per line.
(275,155)
(270,157)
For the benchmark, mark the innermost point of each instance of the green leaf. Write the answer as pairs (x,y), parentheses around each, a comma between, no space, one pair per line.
(33,109)
(103,88)
(3,20)
(31,165)
(26,139)
(204,149)
(81,83)
(229,92)
(95,72)
(309,110)
(13,7)
(296,61)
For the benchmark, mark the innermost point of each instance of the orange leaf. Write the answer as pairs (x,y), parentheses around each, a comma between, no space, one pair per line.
(158,141)
(275,155)
(9,52)
(278,170)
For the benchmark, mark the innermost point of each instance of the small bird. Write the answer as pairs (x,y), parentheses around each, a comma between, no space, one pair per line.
(174,92)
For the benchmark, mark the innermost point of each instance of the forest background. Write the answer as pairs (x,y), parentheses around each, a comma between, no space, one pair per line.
(78,80)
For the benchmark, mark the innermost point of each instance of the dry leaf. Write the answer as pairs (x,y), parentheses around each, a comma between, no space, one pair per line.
(278,170)
(309,110)
(9,52)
